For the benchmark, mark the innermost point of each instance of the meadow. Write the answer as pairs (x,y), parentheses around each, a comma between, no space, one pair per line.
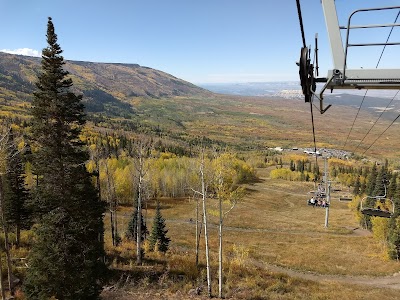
(275,247)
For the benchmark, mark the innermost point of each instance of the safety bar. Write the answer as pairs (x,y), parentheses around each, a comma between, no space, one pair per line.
(363,27)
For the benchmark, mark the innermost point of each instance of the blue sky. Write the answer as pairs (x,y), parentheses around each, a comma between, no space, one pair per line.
(201,41)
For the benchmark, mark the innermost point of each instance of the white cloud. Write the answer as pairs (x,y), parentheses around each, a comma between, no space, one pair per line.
(23,51)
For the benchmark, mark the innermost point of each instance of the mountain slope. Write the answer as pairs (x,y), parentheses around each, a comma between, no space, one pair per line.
(105,86)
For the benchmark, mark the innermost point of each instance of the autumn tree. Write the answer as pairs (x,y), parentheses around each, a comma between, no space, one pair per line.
(65,259)
(228,192)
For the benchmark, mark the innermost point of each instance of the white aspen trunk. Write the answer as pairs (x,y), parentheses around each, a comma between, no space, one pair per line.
(139,212)
(203,191)
(139,227)
(220,200)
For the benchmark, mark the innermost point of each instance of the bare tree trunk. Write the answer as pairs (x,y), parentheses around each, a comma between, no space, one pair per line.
(199,229)
(139,206)
(204,195)
(17,235)
(139,226)
(112,225)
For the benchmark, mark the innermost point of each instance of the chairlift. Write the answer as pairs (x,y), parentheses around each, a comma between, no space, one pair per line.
(377,211)
(336,188)
(345,198)
(341,77)
(315,203)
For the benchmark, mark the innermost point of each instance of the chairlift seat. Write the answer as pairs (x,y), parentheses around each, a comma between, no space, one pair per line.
(344,198)
(376,212)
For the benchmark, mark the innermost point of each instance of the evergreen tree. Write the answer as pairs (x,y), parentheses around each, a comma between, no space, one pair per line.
(357,186)
(158,237)
(334,172)
(394,238)
(292,166)
(65,261)
(371,181)
(392,186)
(131,231)
(396,195)
(363,187)
(380,183)
(16,196)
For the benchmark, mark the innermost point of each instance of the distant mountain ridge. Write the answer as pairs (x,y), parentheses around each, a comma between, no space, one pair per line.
(104,85)
(374,102)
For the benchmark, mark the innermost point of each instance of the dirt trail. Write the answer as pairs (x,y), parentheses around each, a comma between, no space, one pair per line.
(391,281)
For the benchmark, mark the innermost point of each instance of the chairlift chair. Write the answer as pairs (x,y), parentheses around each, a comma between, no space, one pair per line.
(341,77)
(345,198)
(377,212)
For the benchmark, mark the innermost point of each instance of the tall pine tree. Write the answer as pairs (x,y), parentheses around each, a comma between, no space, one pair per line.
(65,260)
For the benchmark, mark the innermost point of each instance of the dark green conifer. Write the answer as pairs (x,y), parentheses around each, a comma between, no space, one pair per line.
(381,183)
(66,259)
(158,237)
(392,186)
(16,196)
(363,187)
(371,181)
(357,186)
(131,231)
(292,166)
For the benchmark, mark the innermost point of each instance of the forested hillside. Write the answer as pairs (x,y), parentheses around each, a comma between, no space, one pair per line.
(106,87)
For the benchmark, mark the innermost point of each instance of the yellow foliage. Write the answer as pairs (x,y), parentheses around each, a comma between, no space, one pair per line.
(238,254)
(339,162)
(380,228)
(21,145)
(287,174)
(296,157)
(91,166)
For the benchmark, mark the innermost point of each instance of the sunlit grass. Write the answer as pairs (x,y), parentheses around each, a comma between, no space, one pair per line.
(272,226)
